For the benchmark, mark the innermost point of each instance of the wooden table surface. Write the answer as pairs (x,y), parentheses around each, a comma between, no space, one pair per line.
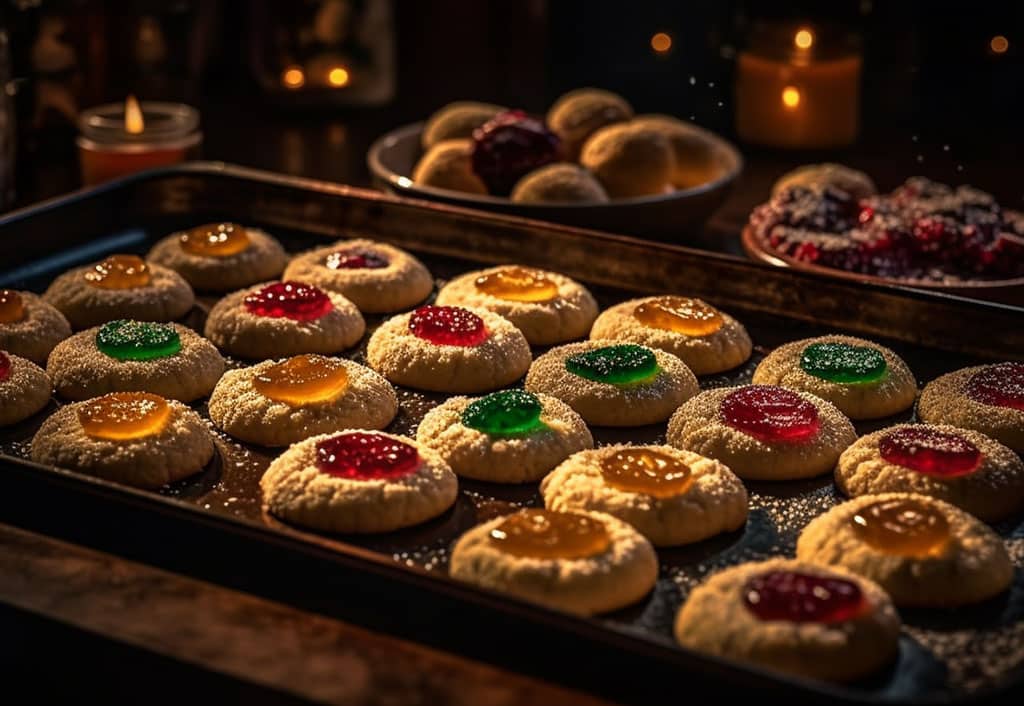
(197,638)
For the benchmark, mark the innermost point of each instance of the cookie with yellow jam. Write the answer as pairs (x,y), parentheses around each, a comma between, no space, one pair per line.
(135,438)
(921,550)
(578,562)
(546,306)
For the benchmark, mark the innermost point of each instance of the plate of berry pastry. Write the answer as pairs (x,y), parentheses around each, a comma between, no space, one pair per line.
(831,219)
(589,162)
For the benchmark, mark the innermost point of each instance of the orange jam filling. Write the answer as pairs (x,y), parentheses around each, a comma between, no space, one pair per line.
(690,317)
(121,416)
(654,473)
(545,534)
(518,284)
(119,272)
(215,240)
(304,379)
(906,527)
(12,306)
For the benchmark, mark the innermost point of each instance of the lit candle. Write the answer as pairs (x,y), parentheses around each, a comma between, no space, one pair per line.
(117,139)
(795,88)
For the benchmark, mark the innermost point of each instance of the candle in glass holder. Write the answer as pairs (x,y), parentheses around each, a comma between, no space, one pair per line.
(117,139)
(796,87)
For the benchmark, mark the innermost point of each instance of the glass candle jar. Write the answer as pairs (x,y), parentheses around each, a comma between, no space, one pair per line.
(798,87)
(118,139)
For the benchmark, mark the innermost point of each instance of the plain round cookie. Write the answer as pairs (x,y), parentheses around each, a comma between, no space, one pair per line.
(262,260)
(566,317)
(725,349)
(403,283)
(457,121)
(716,502)
(182,448)
(404,359)
(944,401)
(79,369)
(873,400)
(504,459)
(697,426)
(606,404)
(24,391)
(448,165)
(618,577)
(296,491)
(578,114)
(235,330)
(972,566)
(715,620)
(560,183)
(39,330)
(167,297)
(694,153)
(629,160)
(237,408)
(994,491)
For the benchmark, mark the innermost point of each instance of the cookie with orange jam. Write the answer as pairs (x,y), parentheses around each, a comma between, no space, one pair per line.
(670,496)
(793,617)
(287,318)
(614,384)
(578,562)
(377,277)
(961,466)
(120,287)
(863,379)
(922,551)
(358,481)
(449,349)
(221,257)
(763,432)
(986,398)
(547,307)
(706,339)
(276,403)
(170,360)
(509,436)
(24,388)
(29,327)
(135,438)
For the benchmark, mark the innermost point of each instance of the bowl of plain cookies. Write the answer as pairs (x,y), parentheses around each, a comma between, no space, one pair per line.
(589,162)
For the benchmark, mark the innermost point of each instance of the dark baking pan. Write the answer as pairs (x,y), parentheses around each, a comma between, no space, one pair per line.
(213,525)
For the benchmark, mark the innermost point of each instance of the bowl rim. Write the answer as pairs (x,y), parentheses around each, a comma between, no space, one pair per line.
(404,183)
(757,251)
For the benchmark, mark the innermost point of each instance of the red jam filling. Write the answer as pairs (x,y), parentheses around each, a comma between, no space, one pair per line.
(930,451)
(5,366)
(802,598)
(770,414)
(366,456)
(999,385)
(448,326)
(355,260)
(289,300)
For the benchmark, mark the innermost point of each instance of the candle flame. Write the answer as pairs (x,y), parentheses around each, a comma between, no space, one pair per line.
(804,38)
(133,122)
(790,97)
(338,76)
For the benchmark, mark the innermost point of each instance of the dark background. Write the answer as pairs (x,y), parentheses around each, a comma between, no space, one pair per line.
(935,99)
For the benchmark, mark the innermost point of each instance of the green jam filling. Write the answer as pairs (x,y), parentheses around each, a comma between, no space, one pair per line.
(137,340)
(505,413)
(617,365)
(843,363)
